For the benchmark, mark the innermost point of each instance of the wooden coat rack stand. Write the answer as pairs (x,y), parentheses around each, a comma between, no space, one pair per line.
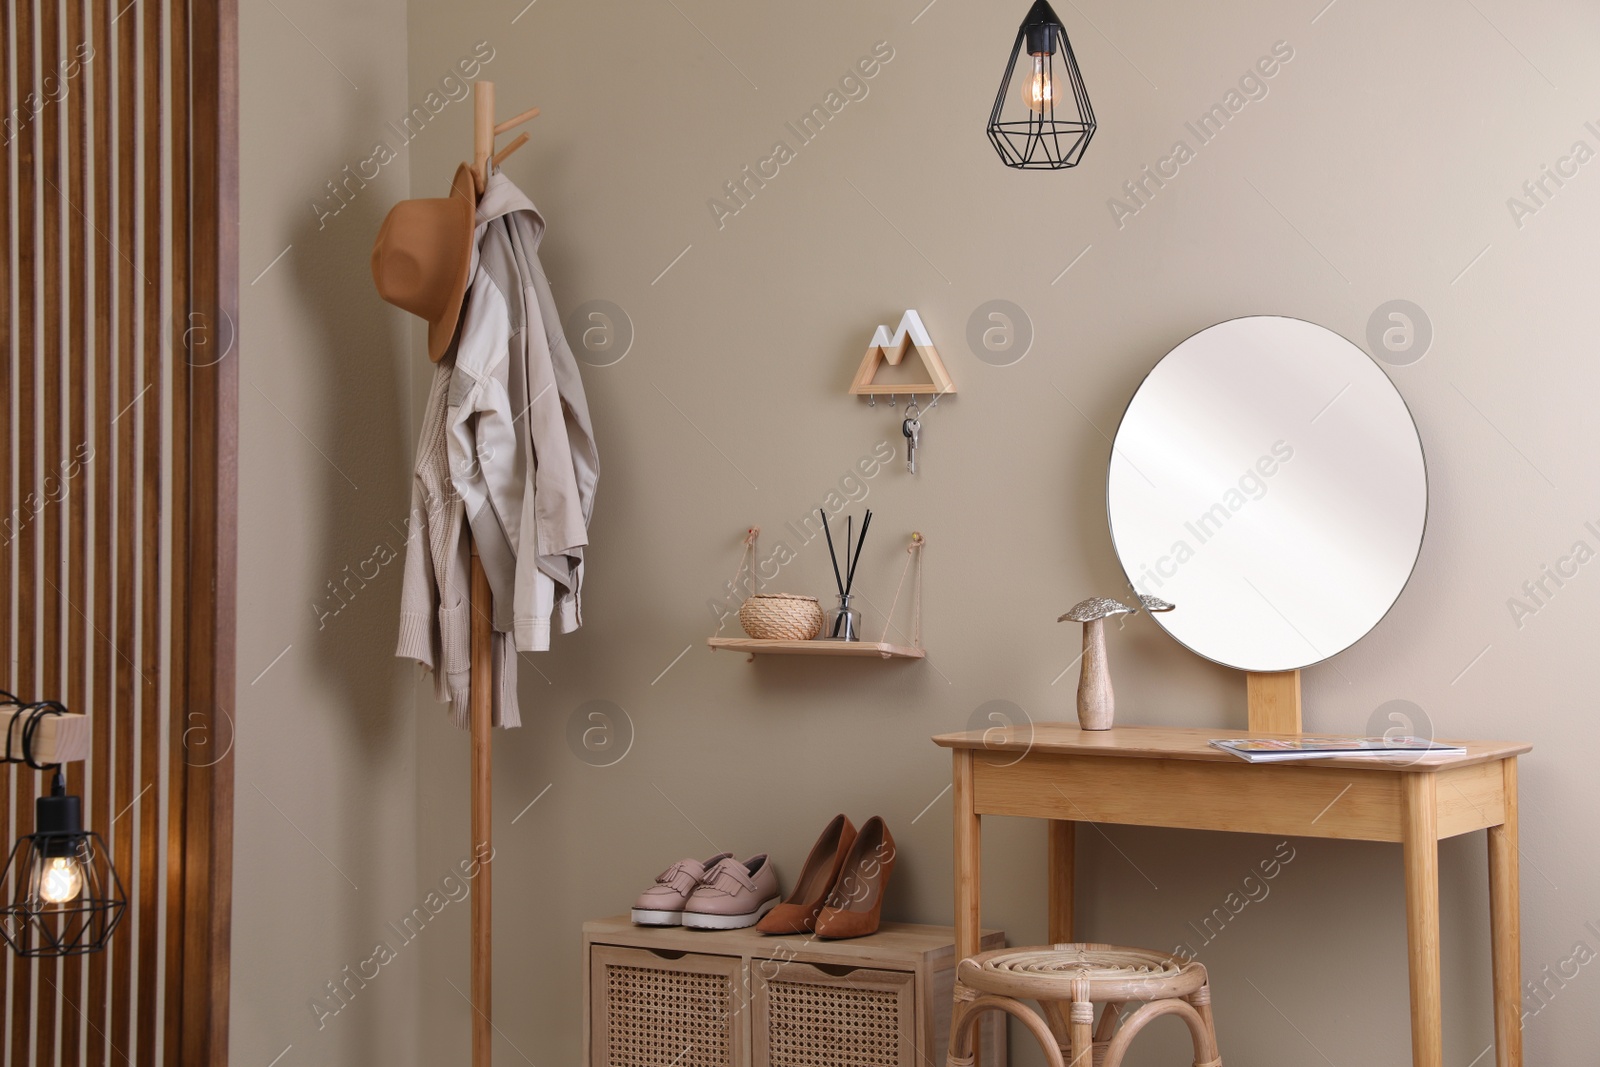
(481,685)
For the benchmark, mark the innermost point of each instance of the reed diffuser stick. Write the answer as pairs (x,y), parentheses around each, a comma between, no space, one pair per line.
(838,581)
(850,574)
(849,526)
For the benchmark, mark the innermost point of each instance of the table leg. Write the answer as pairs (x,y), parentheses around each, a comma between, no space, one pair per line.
(968,861)
(1059,858)
(1421,848)
(1505,928)
(969,878)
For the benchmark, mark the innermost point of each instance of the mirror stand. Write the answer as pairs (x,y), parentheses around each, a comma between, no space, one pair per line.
(1274,701)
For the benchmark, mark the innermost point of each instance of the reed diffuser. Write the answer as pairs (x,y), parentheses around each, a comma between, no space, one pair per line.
(844,622)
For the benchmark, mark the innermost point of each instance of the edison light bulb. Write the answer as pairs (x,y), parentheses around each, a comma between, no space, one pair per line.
(61,880)
(1036,87)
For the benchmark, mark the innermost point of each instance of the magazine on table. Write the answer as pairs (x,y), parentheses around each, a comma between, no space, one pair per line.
(1277,749)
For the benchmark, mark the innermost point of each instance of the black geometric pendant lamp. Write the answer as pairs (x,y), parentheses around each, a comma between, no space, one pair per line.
(60,894)
(65,896)
(1041,118)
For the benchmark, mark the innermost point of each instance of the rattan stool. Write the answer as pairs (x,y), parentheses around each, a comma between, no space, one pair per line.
(1067,981)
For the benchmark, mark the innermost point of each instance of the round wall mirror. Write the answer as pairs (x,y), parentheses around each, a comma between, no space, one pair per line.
(1267,478)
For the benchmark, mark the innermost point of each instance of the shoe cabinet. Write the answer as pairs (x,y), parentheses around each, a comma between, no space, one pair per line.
(670,997)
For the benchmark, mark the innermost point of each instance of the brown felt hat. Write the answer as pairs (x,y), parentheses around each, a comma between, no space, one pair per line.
(422,257)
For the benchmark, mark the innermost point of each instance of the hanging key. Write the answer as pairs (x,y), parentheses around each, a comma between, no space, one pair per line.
(912,428)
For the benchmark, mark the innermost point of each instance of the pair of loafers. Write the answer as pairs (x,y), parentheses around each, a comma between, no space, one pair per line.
(719,893)
(841,887)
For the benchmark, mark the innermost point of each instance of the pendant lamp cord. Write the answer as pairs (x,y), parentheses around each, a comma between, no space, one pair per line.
(29,715)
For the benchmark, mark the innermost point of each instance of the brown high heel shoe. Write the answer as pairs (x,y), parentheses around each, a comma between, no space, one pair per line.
(798,914)
(856,902)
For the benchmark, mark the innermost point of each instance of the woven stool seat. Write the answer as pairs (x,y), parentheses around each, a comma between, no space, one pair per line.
(1068,981)
(1112,971)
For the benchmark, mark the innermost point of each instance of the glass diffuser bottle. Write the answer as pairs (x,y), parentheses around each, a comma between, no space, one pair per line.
(844,621)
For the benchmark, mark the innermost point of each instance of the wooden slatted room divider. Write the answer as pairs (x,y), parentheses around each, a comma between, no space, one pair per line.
(117,565)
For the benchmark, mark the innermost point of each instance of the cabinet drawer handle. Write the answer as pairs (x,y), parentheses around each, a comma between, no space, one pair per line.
(666,954)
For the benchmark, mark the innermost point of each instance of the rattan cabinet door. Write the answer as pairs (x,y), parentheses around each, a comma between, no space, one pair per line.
(651,1010)
(805,1016)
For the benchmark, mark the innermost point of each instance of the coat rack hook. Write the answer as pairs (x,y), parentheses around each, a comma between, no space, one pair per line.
(515,121)
(500,156)
(485,130)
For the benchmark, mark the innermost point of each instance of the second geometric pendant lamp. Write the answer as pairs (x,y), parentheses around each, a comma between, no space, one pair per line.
(1041,118)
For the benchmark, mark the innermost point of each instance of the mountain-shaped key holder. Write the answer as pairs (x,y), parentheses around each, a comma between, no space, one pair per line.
(910,335)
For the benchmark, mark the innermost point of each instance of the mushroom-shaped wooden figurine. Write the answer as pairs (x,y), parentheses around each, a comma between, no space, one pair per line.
(1095,703)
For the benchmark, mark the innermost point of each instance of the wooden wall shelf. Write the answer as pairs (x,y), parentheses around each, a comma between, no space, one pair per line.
(879,649)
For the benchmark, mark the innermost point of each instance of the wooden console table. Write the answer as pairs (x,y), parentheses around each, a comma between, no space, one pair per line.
(1150,776)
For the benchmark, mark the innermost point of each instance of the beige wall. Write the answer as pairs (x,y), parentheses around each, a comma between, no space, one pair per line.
(325,851)
(1378,166)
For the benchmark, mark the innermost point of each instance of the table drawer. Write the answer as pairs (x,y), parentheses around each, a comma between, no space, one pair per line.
(1295,801)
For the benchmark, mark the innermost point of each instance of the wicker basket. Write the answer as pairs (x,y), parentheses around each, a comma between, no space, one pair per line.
(781,617)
